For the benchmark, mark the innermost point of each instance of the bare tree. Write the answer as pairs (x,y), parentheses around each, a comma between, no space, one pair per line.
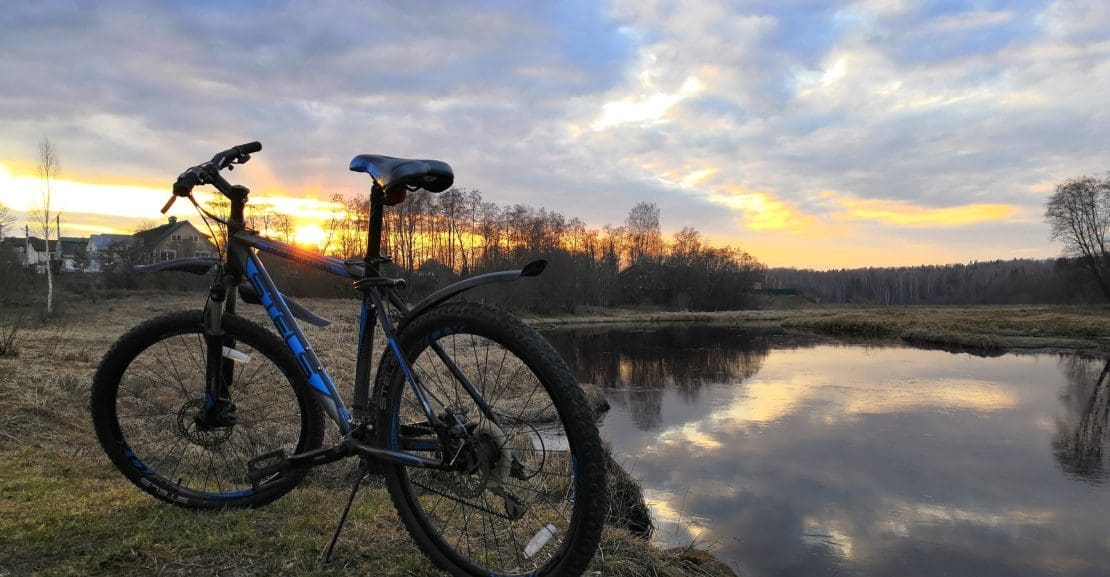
(48,169)
(1079,213)
(6,219)
(645,240)
(281,227)
(221,207)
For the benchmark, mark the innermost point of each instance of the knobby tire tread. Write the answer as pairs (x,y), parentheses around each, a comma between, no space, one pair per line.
(570,403)
(147,334)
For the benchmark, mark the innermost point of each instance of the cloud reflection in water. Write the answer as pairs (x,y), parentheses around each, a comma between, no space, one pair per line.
(800,456)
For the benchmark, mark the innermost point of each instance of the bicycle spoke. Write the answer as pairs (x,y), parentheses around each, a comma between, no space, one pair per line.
(157,413)
(473,512)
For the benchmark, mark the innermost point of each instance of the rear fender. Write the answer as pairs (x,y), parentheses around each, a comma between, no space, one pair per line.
(533,268)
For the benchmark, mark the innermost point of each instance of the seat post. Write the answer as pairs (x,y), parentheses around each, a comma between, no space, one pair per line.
(374,242)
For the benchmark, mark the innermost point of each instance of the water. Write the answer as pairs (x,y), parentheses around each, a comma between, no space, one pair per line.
(804,456)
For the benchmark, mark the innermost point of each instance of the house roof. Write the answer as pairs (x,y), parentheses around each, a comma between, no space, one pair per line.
(153,236)
(20,242)
(70,244)
(105,241)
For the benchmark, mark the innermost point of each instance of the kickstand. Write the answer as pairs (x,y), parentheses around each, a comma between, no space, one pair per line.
(359,476)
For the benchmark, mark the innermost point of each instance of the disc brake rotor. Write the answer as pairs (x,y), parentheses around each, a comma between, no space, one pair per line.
(187,426)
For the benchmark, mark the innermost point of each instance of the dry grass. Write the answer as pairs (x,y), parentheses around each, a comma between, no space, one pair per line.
(65,511)
(997,328)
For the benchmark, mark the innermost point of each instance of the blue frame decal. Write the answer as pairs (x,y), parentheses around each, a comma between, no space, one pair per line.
(294,338)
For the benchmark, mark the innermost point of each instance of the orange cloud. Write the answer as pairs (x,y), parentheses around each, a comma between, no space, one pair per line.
(902,213)
(762,211)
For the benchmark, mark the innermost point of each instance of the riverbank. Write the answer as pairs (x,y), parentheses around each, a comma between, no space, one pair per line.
(65,511)
(987,329)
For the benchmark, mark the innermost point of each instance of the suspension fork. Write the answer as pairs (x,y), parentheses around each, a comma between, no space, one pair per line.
(219,370)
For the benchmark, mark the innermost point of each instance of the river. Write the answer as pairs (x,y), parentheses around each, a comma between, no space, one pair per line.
(796,455)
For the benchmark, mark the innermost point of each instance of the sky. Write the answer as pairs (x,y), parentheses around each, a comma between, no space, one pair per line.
(809,133)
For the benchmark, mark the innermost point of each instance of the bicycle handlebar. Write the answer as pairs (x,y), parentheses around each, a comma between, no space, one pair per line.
(208,172)
(236,154)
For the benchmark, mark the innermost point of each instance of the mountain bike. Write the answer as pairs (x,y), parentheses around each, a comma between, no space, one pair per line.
(488,449)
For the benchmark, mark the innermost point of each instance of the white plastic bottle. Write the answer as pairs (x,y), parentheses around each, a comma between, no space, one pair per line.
(542,537)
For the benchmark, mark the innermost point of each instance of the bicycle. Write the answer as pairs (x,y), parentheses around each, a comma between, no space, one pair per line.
(489,451)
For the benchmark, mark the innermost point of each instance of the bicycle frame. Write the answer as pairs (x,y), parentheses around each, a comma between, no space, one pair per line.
(241,262)
(253,397)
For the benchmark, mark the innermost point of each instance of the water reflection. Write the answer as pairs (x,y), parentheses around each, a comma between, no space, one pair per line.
(806,457)
(1081,437)
(637,366)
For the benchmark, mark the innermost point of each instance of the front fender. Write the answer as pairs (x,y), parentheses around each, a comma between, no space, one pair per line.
(533,268)
(199,265)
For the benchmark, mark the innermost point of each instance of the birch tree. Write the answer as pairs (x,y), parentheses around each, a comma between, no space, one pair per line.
(48,169)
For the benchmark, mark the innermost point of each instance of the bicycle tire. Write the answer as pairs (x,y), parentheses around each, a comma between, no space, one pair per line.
(159,366)
(537,468)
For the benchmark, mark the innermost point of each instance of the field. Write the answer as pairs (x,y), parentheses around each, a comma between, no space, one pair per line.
(65,511)
(984,329)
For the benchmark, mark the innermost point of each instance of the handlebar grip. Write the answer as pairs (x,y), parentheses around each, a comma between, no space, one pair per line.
(235,154)
(250,147)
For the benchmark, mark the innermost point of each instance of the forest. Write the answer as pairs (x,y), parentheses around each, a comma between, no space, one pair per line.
(1019,281)
(436,239)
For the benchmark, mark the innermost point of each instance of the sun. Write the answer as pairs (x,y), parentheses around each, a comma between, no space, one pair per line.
(310,235)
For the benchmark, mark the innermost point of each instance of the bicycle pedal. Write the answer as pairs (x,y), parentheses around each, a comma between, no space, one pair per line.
(267,469)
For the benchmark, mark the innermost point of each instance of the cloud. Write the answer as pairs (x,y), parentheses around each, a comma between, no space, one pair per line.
(904,213)
(761,210)
(645,108)
(918,104)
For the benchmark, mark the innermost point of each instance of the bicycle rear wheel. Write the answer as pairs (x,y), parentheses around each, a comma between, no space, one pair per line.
(526,493)
(149,390)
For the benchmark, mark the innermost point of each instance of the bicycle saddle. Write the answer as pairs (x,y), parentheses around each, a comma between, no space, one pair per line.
(389,172)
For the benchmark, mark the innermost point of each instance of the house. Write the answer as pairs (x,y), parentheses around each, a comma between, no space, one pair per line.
(101,252)
(104,249)
(175,239)
(16,249)
(73,251)
(32,251)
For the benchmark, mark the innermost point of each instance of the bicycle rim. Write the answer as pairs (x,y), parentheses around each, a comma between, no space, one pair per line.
(511,509)
(161,391)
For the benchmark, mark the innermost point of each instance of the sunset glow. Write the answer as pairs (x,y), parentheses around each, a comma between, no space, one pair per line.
(310,235)
(901,213)
(810,135)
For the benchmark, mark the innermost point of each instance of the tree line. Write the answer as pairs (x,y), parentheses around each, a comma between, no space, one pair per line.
(435,239)
(1019,281)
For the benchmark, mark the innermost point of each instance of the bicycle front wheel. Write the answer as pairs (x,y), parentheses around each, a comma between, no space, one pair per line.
(149,391)
(524,492)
